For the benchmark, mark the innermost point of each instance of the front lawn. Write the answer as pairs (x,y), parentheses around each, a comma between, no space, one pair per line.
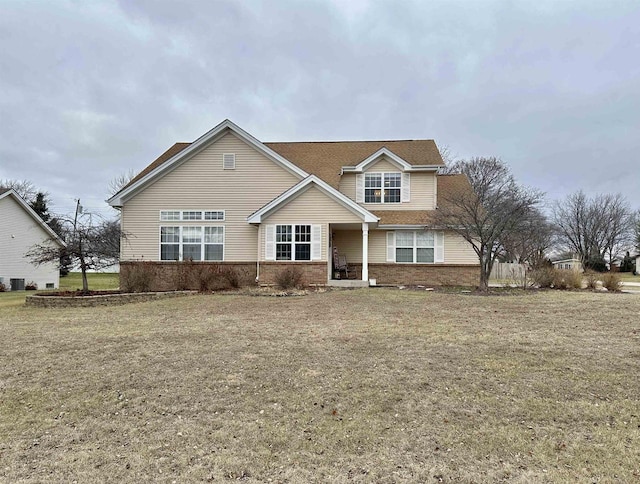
(367,385)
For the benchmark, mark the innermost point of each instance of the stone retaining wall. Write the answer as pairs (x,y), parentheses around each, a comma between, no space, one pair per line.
(45,301)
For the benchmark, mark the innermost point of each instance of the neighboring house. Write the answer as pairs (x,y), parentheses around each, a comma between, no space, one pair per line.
(261,207)
(20,229)
(569,264)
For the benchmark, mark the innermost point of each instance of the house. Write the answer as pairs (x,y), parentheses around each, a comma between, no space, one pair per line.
(20,229)
(569,264)
(262,207)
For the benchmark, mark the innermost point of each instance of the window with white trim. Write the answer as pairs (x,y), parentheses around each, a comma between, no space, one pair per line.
(187,215)
(293,242)
(214,215)
(192,243)
(382,187)
(415,246)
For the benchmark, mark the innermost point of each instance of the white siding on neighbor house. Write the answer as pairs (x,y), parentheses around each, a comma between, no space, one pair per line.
(19,231)
(311,207)
(423,188)
(349,243)
(200,183)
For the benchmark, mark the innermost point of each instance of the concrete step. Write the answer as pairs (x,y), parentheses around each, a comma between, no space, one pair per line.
(347,283)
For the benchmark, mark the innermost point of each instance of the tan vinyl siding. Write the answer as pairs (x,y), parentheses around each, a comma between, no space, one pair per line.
(458,251)
(349,243)
(311,207)
(19,231)
(423,191)
(383,164)
(201,183)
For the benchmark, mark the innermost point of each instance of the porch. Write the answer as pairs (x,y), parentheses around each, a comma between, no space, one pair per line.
(348,244)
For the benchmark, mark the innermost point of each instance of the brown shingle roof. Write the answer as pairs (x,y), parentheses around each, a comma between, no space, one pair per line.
(174,150)
(326,158)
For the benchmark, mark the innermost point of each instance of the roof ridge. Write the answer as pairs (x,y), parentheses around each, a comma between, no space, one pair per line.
(350,141)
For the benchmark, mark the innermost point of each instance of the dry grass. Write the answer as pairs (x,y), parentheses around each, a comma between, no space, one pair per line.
(369,385)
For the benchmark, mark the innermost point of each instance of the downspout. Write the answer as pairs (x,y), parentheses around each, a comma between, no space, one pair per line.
(258,256)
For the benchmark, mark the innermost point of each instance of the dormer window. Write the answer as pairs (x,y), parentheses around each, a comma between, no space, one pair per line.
(382,187)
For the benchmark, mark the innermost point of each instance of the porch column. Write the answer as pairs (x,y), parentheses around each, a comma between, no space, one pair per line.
(365,251)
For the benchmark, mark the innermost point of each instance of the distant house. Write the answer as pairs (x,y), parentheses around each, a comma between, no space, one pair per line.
(568,264)
(228,199)
(20,229)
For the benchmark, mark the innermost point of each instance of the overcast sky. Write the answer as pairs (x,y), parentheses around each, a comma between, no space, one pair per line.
(91,89)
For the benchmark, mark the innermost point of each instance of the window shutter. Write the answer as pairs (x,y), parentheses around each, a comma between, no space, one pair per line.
(359,188)
(316,242)
(391,246)
(406,187)
(438,257)
(270,242)
(229,161)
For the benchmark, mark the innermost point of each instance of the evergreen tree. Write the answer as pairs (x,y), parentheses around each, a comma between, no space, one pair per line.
(39,206)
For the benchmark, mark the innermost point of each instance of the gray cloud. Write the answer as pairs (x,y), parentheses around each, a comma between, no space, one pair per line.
(89,90)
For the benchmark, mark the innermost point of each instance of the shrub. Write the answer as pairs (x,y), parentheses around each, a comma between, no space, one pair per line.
(233,277)
(544,276)
(206,277)
(138,277)
(289,278)
(184,274)
(567,279)
(612,282)
(31,286)
(3,288)
(592,279)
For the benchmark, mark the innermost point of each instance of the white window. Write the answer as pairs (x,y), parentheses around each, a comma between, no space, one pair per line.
(382,187)
(415,246)
(169,243)
(192,243)
(213,243)
(229,161)
(170,215)
(214,215)
(192,215)
(293,242)
(300,242)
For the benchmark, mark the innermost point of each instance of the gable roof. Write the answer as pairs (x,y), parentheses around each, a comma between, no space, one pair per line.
(325,159)
(301,187)
(7,192)
(179,153)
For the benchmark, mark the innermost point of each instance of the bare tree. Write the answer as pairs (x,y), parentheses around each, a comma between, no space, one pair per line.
(119,182)
(92,243)
(593,228)
(530,242)
(26,189)
(485,213)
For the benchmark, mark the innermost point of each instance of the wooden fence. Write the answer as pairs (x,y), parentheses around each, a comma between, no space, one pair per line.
(507,271)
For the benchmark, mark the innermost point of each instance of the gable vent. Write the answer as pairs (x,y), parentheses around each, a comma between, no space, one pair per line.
(229,161)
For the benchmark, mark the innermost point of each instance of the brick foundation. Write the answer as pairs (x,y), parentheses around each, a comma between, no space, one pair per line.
(172,276)
(313,273)
(425,274)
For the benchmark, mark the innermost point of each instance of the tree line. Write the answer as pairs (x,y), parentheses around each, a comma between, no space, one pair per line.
(504,220)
